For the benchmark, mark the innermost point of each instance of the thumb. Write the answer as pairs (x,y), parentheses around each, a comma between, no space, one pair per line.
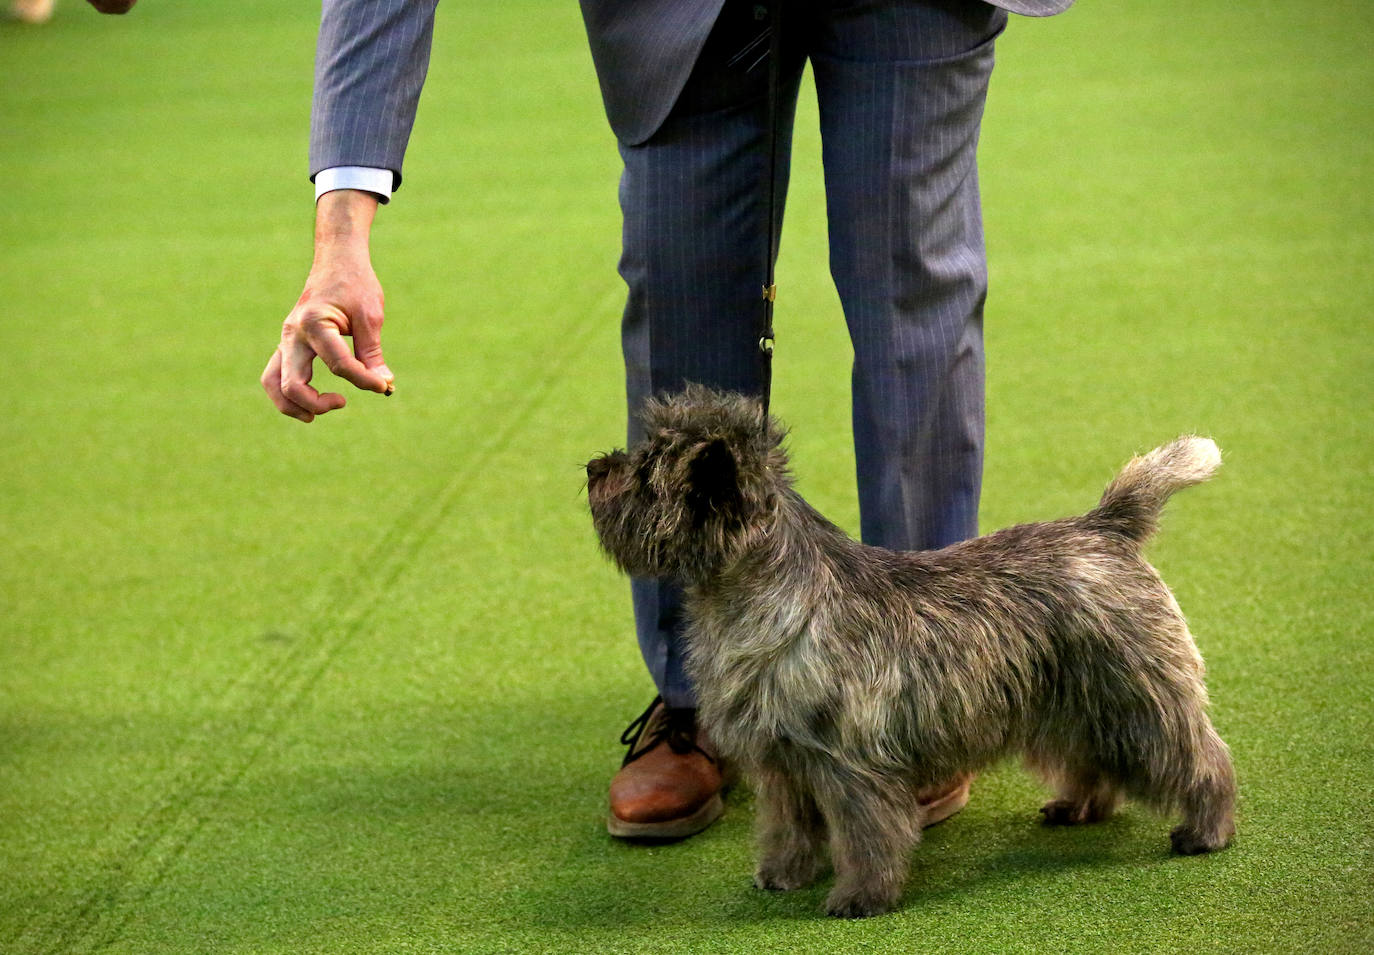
(367,346)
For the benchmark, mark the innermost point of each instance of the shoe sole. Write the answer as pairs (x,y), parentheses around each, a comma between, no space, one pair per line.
(668,829)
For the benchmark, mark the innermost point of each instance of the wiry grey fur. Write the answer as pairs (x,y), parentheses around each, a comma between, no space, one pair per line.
(844,678)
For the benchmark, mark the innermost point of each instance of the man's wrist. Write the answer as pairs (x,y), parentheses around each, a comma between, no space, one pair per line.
(343,221)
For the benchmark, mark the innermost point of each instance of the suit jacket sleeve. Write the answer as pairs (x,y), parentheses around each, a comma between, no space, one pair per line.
(370,65)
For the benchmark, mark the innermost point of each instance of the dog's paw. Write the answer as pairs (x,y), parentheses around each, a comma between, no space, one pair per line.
(783,877)
(1071,812)
(777,882)
(860,904)
(1062,812)
(1190,842)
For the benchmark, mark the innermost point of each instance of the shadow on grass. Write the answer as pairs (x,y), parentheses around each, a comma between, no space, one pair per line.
(503,830)
(598,882)
(486,821)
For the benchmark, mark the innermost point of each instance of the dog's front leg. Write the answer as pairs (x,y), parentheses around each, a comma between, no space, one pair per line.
(873,829)
(791,832)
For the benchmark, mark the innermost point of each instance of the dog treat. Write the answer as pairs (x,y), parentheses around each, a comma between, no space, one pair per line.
(843,678)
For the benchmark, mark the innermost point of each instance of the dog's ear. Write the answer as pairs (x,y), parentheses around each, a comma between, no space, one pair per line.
(713,482)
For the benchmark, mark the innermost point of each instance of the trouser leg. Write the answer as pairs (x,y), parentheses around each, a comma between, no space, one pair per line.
(694,198)
(901,87)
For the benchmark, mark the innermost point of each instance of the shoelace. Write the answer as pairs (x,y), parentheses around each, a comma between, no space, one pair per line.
(678,727)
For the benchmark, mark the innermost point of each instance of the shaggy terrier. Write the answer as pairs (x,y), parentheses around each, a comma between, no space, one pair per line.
(843,678)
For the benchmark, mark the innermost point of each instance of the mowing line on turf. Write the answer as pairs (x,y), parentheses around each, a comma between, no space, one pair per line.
(217,755)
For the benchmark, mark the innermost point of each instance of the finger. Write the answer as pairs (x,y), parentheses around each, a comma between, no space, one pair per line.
(367,345)
(327,341)
(298,363)
(271,383)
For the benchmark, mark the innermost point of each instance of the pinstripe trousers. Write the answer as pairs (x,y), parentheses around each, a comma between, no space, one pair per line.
(901,86)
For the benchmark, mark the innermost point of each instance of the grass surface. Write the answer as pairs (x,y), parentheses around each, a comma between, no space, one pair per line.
(355,686)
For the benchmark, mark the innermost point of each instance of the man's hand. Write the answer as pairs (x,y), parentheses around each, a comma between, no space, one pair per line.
(342,297)
(113,6)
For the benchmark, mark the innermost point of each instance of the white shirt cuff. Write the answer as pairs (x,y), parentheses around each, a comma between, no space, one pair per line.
(364,178)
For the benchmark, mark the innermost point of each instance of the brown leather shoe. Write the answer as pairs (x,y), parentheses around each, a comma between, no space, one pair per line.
(669,786)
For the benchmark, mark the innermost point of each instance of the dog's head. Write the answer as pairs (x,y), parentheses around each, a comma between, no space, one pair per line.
(704,479)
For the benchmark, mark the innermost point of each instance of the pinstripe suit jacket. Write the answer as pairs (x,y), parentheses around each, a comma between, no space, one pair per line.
(373,54)
(644,50)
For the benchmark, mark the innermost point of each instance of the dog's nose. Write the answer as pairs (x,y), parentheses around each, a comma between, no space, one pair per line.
(605,465)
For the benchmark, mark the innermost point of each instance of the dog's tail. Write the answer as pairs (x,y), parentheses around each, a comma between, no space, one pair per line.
(1132,502)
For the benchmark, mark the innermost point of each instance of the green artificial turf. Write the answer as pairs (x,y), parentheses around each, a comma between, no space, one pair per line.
(356,687)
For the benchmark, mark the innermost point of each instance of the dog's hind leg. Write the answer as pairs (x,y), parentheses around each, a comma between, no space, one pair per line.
(1207,797)
(791,833)
(1084,796)
(873,829)
(1084,793)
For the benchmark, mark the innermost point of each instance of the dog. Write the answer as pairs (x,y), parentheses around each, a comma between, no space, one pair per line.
(843,678)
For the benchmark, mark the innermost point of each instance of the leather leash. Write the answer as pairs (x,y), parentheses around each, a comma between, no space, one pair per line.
(770,287)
